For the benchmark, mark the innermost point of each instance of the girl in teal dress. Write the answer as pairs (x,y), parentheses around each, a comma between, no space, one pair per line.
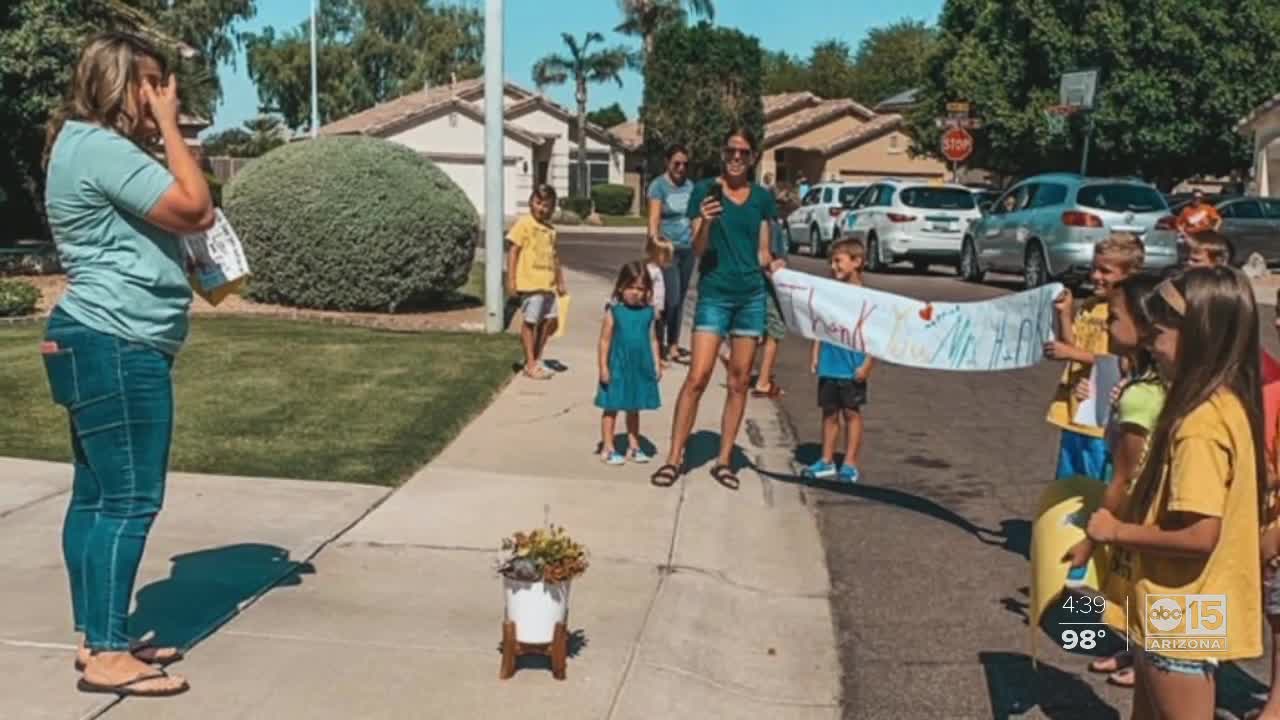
(629,366)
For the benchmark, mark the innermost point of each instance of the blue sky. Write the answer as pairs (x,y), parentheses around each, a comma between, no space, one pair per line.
(533,29)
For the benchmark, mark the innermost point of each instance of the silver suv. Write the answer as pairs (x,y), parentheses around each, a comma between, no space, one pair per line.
(1044,228)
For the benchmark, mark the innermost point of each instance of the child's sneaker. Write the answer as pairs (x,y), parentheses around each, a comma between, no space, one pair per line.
(640,457)
(613,458)
(849,474)
(820,470)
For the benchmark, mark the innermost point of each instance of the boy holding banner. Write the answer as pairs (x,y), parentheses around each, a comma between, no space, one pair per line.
(842,380)
(1081,337)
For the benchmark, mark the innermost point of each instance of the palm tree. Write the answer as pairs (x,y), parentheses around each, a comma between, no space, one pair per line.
(584,67)
(644,18)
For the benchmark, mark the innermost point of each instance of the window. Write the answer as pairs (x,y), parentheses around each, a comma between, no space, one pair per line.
(597,170)
(885,198)
(895,144)
(1121,197)
(936,198)
(827,196)
(867,198)
(1271,208)
(1049,195)
(1246,210)
(849,193)
(812,197)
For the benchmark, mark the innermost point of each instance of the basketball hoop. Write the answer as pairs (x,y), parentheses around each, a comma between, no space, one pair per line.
(1056,117)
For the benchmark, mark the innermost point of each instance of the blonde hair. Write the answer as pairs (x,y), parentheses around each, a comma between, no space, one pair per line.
(104,85)
(851,247)
(659,249)
(1123,246)
(1215,245)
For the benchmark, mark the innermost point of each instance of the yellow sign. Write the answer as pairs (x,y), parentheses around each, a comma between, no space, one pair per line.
(958,107)
(562,314)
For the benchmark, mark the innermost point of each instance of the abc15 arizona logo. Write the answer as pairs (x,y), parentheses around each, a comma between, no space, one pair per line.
(1186,622)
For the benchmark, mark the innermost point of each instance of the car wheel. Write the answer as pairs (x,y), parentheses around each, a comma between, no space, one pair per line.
(815,242)
(1034,272)
(873,254)
(969,270)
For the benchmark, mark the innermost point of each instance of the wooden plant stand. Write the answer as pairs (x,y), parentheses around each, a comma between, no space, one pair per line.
(557,650)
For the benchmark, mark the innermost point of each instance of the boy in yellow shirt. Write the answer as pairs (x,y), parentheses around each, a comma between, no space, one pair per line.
(1083,450)
(535,277)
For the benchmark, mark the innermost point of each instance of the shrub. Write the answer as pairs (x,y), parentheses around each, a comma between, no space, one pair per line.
(566,217)
(580,206)
(612,199)
(17,298)
(215,188)
(351,223)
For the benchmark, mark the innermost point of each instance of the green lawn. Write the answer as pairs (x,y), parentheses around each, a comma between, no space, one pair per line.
(624,220)
(281,398)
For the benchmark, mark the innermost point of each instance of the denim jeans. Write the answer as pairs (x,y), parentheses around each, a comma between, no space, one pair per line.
(677,277)
(119,396)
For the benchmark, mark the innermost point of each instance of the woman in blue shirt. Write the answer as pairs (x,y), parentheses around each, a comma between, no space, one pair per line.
(109,347)
(730,215)
(669,217)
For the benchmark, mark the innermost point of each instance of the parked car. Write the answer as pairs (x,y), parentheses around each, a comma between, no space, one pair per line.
(1044,228)
(814,225)
(986,198)
(1253,226)
(918,222)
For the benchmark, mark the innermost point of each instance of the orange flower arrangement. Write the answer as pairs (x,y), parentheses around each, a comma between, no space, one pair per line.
(544,555)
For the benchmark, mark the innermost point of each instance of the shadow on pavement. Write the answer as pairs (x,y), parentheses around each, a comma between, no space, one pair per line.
(1016,686)
(208,587)
(704,446)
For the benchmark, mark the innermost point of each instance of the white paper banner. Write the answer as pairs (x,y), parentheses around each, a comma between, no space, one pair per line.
(1003,333)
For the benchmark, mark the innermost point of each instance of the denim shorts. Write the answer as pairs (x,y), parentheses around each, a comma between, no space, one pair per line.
(736,317)
(539,306)
(1181,666)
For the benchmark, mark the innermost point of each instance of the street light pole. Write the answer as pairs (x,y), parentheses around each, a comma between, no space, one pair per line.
(494,206)
(315,103)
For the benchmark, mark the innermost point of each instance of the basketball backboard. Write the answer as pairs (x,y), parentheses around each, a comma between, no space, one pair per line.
(1078,89)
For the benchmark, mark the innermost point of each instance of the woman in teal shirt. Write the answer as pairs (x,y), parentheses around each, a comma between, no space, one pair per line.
(109,347)
(730,217)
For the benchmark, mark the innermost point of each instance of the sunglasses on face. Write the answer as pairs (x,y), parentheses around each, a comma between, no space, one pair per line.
(734,153)
(680,164)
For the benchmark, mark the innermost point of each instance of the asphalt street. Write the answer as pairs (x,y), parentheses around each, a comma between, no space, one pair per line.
(928,554)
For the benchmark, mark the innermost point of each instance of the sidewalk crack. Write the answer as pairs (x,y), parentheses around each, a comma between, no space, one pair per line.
(32,503)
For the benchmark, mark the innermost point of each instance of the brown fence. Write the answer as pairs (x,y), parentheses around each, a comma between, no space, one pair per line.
(224,168)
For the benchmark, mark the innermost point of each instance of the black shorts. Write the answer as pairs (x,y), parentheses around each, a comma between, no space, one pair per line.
(836,394)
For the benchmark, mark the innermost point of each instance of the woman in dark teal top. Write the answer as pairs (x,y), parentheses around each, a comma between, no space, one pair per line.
(730,217)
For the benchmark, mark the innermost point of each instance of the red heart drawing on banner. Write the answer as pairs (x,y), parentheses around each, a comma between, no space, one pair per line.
(926,313)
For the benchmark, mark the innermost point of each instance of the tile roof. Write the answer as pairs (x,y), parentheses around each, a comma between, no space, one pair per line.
(545,103)
(906,97)
(629,134)
(405,108)
(789,126)
(775,105)
(1245,122)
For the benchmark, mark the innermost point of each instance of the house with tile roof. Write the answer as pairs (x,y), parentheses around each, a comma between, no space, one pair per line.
(446,125)
(1263,126)
(819,138)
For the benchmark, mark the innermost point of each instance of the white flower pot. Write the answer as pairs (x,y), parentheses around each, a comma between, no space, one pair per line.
(535,608)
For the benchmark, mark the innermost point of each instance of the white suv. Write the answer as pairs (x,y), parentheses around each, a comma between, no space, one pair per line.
(815,224)
(919,222)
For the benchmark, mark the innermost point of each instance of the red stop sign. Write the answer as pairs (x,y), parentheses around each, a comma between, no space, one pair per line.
(957,145)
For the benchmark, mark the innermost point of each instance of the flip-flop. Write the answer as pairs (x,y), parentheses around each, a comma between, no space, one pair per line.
(725,476)
(666,476)
(538,374)
(1115,664)
(161,656)
(131,688)
(1122,677)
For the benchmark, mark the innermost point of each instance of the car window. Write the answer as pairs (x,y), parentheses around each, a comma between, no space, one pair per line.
(1271,208)
(1247,210)
(1121,197)
(1022,197)
(886,196)
(936,198)
(827,196)
(849,193)
(812,197)
(1049,195)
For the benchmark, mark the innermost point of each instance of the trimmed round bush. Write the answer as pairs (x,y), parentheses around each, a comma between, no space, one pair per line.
(612,199)
(580,206)
(17,298)
(351,223)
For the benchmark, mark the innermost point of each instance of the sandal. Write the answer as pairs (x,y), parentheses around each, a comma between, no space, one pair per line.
(773,392)
(136,686)
(538,374)
(143,650)
(1121,678)
(666,476)
(725,476)
(1113,664)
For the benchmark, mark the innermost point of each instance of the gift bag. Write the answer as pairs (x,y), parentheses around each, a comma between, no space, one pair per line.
(562,313)
(215,261)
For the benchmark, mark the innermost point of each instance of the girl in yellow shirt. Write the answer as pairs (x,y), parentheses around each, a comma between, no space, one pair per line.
(1193,522)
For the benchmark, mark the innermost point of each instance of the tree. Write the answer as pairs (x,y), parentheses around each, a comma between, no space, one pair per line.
(891,60)
(583,67)
(607,117)
(784,73)
(712,80)
(369,51)
(40,42)
(258,137)
(1175,78)
(831,70)
(644,18)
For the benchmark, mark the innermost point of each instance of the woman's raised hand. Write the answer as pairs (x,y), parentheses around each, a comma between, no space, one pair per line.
(163,101)
(710,209)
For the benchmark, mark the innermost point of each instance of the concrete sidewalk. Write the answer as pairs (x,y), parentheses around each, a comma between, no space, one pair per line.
(700,602)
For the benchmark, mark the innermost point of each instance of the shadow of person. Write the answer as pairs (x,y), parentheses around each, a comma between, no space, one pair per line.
(704,446)
(207,588)
(1016,686)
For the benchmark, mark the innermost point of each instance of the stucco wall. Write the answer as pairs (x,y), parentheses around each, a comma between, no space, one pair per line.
(881,158)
